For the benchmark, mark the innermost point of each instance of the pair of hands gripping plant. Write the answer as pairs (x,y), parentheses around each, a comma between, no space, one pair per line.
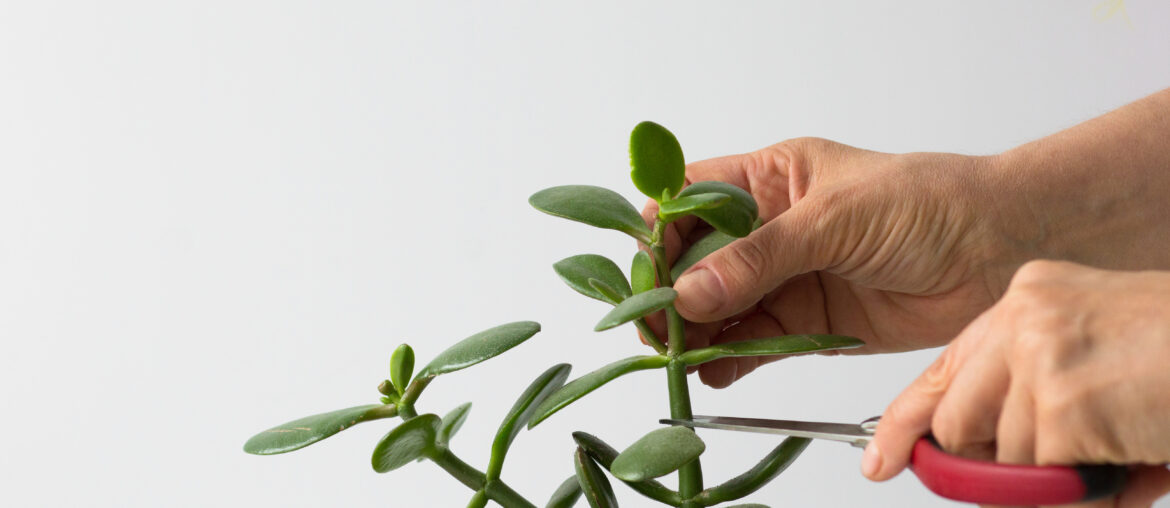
(658,171)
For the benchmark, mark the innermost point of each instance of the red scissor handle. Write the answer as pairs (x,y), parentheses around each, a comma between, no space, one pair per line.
(979,481)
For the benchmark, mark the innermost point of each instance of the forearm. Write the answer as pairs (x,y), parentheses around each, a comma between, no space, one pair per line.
(1097,193)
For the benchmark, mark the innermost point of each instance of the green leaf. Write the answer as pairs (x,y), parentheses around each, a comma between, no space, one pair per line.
(642,272)
(604,454)
(783,345)
(735,216)
(712,242)
(611,295)
(593,482)
(673,210)
(480,347)
(595,206)
(401,367)
(656,161)
(759,475)
(581,386)
(478,500)
(452,421)
(577,270)
(566,495)
(412,439)
(637,306)
(300,433)
(660,452)
(521,412)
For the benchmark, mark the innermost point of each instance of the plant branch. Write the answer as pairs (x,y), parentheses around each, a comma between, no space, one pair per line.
(650,336)
(690,476)
(474,479)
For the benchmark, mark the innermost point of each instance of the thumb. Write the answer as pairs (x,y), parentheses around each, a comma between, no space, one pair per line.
(735,277)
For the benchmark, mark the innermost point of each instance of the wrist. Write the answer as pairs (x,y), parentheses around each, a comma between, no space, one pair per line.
(1094,194)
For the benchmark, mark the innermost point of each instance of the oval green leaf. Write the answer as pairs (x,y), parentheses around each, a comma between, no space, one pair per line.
(577,270)
(759,475)
(712,242)
(413,439)
(595,206)
(735,216)
(642,272)
(675,209)
(637,306)
(657,166)
(521,412)
(452,422)
(479,347)
(300,433)
(566,495)
(783,345)
(401,367)
(581,386)
(604,455)
(593,482)
(658,453)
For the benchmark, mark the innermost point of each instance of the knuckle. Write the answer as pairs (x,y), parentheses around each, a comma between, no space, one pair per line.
(1046,339)
(1039,271)
(806,144)
(937,377)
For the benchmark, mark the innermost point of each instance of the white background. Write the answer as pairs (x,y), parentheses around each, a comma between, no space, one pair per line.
(219,216)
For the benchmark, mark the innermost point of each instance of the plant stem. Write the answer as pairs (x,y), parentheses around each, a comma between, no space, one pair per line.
(650,336)
(690,476)
(415,389)
(474,479)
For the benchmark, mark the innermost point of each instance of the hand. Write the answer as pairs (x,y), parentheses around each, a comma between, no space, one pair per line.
(899,250)
(903,250)
(1069,367)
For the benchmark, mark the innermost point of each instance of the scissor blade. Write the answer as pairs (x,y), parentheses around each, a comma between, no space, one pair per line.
(846,432)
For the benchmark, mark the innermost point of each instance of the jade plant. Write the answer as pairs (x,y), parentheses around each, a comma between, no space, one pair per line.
(657,170)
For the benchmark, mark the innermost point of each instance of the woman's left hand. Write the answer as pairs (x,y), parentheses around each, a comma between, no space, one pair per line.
(1071,366)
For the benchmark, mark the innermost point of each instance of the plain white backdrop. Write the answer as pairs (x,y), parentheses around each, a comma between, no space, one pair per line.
(219,216)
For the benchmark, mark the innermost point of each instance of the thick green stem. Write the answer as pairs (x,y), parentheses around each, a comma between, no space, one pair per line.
(474,479)
(690,476)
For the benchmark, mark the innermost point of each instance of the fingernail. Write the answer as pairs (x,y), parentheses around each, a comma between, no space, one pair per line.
(871,460)
(700,291)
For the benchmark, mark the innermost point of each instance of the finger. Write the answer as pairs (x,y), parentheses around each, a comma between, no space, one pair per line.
(1108,502)
(1015,438)
(723,372)
(909,416)
(736,276)
(967,416)
(1145,485)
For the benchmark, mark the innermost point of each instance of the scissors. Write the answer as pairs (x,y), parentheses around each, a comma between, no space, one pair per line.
(950,476)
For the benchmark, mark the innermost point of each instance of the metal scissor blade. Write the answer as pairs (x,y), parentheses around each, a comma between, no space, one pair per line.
(851,433)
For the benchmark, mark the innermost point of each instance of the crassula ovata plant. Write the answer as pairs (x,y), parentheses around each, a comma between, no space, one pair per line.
(657,171)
